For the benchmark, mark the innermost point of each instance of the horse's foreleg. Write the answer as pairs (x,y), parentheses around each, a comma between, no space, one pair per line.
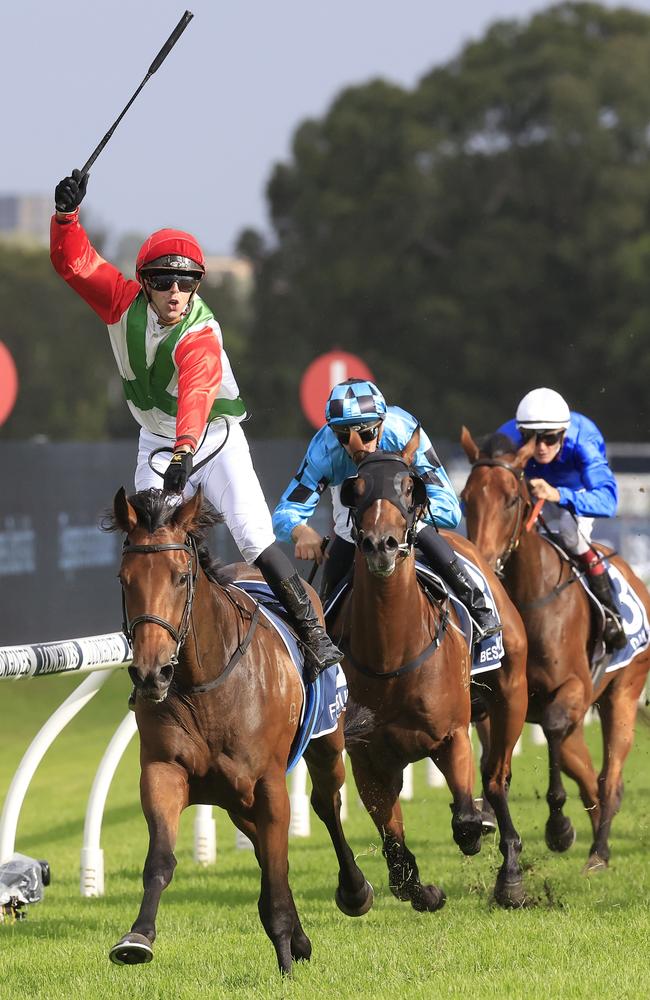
(164,795)
(577,764)
(560,718)
(276,907)
(455,760)
(618,708)
(324,758)
(379,787)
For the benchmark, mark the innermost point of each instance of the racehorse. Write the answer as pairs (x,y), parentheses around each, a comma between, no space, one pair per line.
(218,705)
(500,515)
(408,671)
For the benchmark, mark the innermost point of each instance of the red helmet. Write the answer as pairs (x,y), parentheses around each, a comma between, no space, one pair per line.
(171,250)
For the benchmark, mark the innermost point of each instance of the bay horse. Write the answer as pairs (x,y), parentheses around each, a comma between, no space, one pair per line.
(408,671)
(217,707)
(561,637)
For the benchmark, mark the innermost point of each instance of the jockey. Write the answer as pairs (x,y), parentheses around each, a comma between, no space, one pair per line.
(181,389)
(359,405)
(569,469)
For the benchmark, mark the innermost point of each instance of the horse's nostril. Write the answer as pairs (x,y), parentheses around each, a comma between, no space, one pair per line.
(133,674)
(367,546)
(167,672)
(391,544)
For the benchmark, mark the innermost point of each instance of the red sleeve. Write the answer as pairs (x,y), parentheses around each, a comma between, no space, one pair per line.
(198,358)
(100,284)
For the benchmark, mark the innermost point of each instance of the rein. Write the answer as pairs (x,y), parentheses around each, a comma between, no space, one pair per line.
(523,501)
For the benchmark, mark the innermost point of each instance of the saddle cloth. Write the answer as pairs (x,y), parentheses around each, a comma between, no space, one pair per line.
(325,699)
(486,653)
(630,609)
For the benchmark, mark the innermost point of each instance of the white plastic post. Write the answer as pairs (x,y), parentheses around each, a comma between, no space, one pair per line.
(407,783)
(537,735)
(435,777)
(91,876)
(205,836)
(35,753)
(299,825)
(517,748)
(242,842)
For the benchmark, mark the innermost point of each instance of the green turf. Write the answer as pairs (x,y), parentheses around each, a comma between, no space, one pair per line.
(586,937)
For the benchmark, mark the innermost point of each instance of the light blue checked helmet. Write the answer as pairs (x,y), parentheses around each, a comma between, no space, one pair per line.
(356,401)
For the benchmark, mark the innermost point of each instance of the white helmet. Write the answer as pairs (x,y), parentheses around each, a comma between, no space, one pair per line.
(542,410)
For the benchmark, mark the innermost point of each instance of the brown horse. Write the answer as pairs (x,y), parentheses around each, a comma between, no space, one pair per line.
(561,637)
(218,704)
(408,671)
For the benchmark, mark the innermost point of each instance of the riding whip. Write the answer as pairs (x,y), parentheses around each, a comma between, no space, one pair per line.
(156,64)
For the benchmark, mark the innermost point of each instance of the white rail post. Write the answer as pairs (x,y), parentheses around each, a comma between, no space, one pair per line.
(407,783)
(92,856)
(435,777)
(205,836)
(299,825)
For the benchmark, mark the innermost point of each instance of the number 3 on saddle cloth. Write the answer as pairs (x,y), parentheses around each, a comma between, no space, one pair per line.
(633,616)
(325,698)
(486,653)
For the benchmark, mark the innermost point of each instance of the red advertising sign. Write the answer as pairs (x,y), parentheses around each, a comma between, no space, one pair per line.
(322,375)
(8,383)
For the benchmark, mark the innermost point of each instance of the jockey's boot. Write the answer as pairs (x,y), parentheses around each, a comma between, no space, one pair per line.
(613,633)
(473,599)
(443,560)
(277,570)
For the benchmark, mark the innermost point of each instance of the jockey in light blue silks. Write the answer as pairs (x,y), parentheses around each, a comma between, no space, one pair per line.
(359,405)
(569,470)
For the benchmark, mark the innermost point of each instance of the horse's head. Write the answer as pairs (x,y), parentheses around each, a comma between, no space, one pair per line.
(158,575)
(386,499)
(495,496)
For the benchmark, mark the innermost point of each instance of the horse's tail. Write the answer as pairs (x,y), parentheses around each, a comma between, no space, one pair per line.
(359,724)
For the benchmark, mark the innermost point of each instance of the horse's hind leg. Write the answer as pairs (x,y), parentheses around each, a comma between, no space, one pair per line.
(324,760)
(618,708)
(300,943)
(379,787)
(276,906)
(164,795)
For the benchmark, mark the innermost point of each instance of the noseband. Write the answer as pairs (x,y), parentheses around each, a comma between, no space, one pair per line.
(523,502)
(178,634)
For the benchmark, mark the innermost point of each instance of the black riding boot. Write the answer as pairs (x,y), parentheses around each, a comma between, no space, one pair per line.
(277,570)
(443,560)
(613,633)
(340,558)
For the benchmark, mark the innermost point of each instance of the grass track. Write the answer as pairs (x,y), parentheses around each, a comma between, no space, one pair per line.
(587,937)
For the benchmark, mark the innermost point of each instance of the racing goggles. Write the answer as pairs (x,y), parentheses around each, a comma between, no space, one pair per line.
(543,437)
(367,432)
(164,282)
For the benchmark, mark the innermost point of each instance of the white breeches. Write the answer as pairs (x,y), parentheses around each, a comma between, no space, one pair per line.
(574,531)
(228,481)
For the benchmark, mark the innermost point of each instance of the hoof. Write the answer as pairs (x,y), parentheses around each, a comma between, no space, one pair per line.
(510,895)
(347,904)
(428,899)
(488,819)
(595,864)
(300,946)
(132,949)
(560,835)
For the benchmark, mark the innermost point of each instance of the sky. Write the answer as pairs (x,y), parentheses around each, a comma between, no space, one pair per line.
(197,148)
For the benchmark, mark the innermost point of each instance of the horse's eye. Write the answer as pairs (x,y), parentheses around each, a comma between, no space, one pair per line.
(182,580)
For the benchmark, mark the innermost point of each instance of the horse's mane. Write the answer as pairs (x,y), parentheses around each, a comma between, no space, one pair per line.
(497,445)
(155,509)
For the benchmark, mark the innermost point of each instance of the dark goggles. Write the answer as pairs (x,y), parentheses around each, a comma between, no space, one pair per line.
(367,432)
(164,282)
(543,437)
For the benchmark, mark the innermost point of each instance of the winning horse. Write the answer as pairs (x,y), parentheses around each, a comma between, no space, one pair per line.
(218,705)
(561,637)
(408,671)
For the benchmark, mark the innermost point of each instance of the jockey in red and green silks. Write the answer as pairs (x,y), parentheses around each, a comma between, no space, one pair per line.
(180,388)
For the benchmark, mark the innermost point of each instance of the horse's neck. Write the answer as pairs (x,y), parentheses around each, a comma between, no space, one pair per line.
(533,569)
(387,615)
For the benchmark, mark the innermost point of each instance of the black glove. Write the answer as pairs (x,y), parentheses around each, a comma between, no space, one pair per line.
(178,472)
(69,193)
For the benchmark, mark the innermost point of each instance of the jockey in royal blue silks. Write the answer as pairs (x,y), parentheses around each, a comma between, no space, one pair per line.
(569,469)
(359,405)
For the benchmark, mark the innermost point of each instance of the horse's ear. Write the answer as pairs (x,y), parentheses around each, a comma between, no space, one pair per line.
(186,514)
(469,445)
(525,453)
(411,446)
(124,513)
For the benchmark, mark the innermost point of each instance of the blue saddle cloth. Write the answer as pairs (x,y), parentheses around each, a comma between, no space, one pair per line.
(486,653)
(632,614)
(324,699)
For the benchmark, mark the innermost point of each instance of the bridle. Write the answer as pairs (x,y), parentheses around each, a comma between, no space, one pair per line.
(523,503)
(384,487)
(178,634)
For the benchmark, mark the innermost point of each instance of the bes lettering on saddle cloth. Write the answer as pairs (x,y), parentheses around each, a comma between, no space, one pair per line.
(632,614)
(325,698)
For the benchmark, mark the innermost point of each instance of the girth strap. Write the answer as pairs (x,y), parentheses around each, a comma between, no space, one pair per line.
(406,668)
